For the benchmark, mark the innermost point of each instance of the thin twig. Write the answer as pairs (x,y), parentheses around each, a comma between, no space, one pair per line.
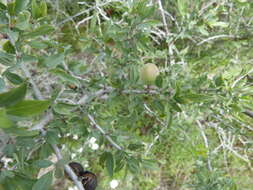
(99,93)
(215,38)
(163,17)
(206,7)
(86,98)
(67,168)
(248,113)
(85,11)
(83,21)
(170,45)
(104,133)
(240,78)
(227,144)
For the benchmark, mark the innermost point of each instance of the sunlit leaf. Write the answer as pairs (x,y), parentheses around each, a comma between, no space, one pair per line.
(5,122)
(40,31)
(13,96)
(20,5)
(28,108)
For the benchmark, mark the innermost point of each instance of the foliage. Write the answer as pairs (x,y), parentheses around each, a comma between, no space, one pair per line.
(70,74)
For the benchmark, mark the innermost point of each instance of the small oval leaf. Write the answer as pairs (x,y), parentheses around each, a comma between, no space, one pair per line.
(13,96)
(28,108)
(109,163)
(44,182)
(43,163)
(5,122)
(13,78)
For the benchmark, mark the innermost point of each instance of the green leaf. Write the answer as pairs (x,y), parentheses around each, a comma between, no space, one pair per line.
(23,20)
(13,78)
(119,160)
(37,44)
(17,182)
(133,165)
(28,108)
(182,6)
(23,182)
(59,172)
(52,137)
(119,166)
(150,164)
(159,81)
(13,36)
(39,10)
(53,60)
(175,106)
(9,149)
(43,8)
(2,6)
(218,80)
(11,8)
(59,168)
(44,182)
(2,84)
(109,163)
(141,8)
(8,47)
(135,146)
(65,76)
(6,173)
(3,18)
(133,74)
(159,105)
(21,5)
(21,132)
(40,31)
(64,109)
(45,151)
(35,9)
(197,97)
(43,163)
(179,99)
(6,58)
(102,159)
(5,122)
(218,24)
(13,96)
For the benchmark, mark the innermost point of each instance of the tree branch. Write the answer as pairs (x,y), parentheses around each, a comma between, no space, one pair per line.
(170,50)
(99,93)
(248,113)
(86,98)
(86,11)
(221,36)
(43,122)
(93,122)
(40,126)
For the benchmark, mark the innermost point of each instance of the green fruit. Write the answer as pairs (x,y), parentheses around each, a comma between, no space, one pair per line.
(148,73)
